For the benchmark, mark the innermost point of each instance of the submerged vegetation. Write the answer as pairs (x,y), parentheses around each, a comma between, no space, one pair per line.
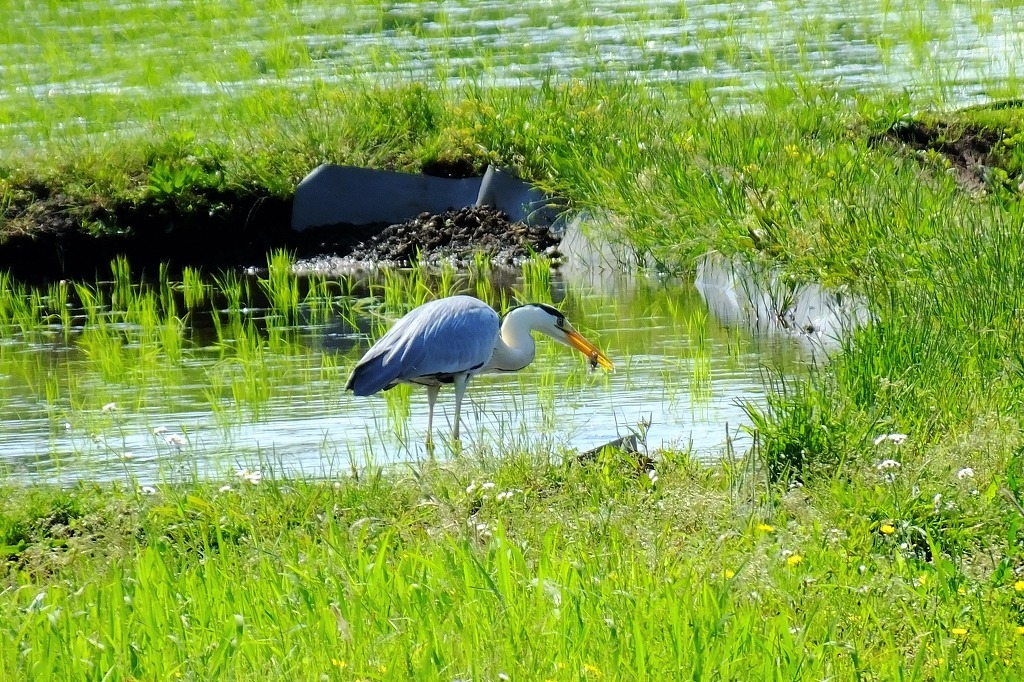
(869,528)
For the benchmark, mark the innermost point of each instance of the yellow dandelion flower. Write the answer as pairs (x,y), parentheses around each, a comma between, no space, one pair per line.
(593,670)
(794,560)
(1020,629)
(922,579)
(729,574)
(1019,586)
(338,664)
(765,528)
(793,150)
(887,529)
(959,632)
(961,591)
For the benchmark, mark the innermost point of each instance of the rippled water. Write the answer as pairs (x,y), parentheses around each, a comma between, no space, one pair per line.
(212,409)
(194,52)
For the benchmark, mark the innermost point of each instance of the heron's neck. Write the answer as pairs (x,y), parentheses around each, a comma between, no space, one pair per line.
(515,348)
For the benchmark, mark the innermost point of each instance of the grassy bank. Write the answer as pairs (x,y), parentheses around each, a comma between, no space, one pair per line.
(820,553)
(592,573)
(526,569)
(805,179)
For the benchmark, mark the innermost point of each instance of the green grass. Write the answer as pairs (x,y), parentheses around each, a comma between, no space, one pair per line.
(805,183)
(882,560)
(429,572)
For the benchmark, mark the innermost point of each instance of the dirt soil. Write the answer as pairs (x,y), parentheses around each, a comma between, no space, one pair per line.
(45,239)
(456,235)
(969,151)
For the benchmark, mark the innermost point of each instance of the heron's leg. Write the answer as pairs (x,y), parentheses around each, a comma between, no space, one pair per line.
(460,389)
(431,399)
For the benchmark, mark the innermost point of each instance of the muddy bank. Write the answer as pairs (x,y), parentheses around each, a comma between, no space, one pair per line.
(457,235)
(54,237)
(980,144)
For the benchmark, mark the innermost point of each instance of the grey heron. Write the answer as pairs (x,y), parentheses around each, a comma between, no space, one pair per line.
(449,340)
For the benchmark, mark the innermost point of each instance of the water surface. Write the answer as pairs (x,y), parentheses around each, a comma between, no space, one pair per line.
(62,63)
(115,403)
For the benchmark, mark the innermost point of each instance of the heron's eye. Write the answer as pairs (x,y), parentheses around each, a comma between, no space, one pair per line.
(559,321)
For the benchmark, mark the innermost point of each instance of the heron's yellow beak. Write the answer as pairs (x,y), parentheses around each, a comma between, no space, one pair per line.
(576,340)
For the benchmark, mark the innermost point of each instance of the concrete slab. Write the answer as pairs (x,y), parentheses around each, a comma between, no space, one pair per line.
(334,194)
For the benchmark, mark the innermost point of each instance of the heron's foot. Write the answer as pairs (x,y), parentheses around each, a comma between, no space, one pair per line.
(456,445)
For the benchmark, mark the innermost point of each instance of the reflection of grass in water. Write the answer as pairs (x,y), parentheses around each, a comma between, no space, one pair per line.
(245,366)
(127,345)
(699,355)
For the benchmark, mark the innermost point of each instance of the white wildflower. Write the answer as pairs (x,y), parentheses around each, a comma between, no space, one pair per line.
(175,441)
(937,502)
(471,488)
(225,489)
(887,464)
(966,472)
(109,407)
(147,490)
(894,438)
(487,486)
(158,430)
(248,476)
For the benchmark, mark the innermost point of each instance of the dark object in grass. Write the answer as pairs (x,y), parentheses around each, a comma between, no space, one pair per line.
(631,448)
(457,234)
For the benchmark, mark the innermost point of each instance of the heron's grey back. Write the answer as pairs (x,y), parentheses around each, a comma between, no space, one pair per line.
(446,336)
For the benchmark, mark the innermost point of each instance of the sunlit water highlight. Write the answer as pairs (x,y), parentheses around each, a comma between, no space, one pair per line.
(676,365)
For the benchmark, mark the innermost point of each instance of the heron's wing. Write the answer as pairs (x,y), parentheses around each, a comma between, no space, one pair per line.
(446,336)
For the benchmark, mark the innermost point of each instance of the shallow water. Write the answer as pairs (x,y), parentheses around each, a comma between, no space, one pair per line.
(959,51)
(80,409)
